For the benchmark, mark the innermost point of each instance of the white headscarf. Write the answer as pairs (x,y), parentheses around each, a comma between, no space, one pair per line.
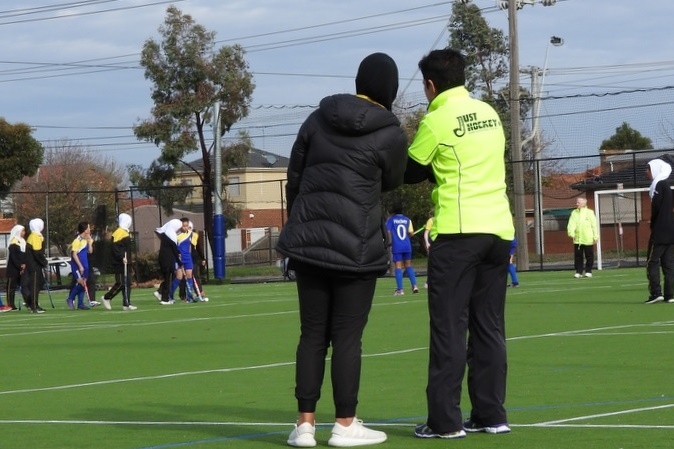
(660,171)
(36,225)
(15,233)
(124,221)
(171,229)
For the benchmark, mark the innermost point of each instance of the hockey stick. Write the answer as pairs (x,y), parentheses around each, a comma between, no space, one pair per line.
(196,286)
(187,284)
(48,285)
(126,280)
(86,289)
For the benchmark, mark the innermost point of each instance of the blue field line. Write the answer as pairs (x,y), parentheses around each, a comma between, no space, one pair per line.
(214,440)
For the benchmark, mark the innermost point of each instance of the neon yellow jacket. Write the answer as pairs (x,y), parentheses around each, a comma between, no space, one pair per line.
(462,139)
(582,227)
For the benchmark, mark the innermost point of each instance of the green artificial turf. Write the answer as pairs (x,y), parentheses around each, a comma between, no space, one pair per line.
(590,366)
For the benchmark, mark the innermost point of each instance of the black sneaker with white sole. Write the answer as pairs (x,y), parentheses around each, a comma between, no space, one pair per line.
(423,431)
(471,426)
(654,298)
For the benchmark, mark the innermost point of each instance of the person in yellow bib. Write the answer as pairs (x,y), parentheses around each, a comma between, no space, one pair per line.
(36,263)
(582,228)
(460,146)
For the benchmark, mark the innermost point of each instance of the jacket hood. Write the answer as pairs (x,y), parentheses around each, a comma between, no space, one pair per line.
(354,115)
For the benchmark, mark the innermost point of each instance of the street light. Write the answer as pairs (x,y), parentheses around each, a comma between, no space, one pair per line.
(535,137)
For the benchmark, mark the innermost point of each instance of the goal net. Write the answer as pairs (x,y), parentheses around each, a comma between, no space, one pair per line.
(622,226)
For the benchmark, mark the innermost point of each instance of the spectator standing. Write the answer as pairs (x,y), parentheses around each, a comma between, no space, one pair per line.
(660,254)
(460,146)
(347,152)
(582,228)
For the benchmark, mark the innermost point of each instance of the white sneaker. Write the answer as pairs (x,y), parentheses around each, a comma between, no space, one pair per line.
(577,275)
(157,295)
(355,435)
(129,307)
(588,275)
(107,304)
(204,299)
(94,303)
(302,436)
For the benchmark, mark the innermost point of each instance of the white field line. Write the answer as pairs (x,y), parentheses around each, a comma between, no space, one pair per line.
(187,423)
(604,415)
(186,373)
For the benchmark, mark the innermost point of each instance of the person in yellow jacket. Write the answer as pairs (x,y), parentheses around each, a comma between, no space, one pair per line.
(582,228)
(460,146)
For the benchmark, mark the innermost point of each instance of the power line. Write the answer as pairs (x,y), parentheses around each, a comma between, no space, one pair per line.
(80,14)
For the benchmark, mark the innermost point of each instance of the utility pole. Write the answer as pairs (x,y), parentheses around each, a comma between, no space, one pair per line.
(515,142)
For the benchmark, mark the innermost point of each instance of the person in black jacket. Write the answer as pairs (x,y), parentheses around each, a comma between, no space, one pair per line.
(660,253)
(36,263)
(16,263)
(346,154)
(121,257)
(169,258)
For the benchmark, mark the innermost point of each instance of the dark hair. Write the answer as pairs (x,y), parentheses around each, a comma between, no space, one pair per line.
(397,206)
(82,226)
(185,220)
(446,68)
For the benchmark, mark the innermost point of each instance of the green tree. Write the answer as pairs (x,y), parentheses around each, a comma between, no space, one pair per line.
(73,184)
(626,138)
(189,75)
(486,49)
(415,198)
(21,154)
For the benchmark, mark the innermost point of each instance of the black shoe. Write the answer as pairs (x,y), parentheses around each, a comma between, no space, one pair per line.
(423,431)
(471,426)
(83,307)
(40,309)
(654,298)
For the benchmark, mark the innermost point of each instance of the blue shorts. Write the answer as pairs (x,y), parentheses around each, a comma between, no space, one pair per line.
(400,257)
(187,263)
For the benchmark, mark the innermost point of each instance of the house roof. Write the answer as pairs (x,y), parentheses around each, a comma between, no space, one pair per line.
(630,177)
(6,225)
(257,158)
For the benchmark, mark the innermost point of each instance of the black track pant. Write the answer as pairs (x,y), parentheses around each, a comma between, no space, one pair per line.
(467,278)
(333,310)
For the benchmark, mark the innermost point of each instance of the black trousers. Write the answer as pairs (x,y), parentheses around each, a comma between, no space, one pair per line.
(581,252)
(122,284)
(32,283)
(467,278)
(660,256)
(333,310)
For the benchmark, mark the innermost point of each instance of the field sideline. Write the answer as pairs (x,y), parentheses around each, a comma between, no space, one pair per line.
(590,366)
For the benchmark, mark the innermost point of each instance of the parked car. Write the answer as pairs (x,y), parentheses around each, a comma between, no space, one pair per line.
(60,271)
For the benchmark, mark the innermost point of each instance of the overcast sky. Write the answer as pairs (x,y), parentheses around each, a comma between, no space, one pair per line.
(70,68)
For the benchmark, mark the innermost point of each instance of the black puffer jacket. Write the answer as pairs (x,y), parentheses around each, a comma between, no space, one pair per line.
(346,154)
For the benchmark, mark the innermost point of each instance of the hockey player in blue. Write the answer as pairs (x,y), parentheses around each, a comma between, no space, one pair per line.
(400,230)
